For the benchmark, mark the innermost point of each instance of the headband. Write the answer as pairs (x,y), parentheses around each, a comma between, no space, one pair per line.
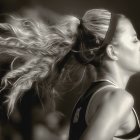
(111,29)
(88,58)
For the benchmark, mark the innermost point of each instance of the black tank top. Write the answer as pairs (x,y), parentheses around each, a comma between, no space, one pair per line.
(78,123)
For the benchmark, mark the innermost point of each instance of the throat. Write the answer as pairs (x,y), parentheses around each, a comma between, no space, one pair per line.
(118,80)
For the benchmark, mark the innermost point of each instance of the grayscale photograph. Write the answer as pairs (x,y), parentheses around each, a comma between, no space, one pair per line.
(69,70)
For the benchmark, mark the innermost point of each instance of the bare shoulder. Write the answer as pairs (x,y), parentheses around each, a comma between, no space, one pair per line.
(114,106)
(112,101)
(118,96)
(118,100)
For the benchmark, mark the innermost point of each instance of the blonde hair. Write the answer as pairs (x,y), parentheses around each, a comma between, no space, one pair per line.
(43,48)
(92,32)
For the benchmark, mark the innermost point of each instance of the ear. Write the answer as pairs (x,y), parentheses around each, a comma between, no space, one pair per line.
(112,52)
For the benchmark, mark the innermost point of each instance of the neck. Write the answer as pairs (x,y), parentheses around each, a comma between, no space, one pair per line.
(114,75)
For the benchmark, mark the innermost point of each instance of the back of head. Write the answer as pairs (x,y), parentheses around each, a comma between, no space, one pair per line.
(96,22)
(91,33)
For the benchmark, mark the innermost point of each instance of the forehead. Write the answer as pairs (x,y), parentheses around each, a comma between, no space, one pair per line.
(125,26)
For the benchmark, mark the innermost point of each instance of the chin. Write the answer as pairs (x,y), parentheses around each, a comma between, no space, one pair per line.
(136,70)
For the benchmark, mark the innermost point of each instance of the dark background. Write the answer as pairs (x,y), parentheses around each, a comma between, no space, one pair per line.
(54,8)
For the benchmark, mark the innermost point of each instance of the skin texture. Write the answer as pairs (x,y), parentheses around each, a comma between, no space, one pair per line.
(114,109)
(128,47)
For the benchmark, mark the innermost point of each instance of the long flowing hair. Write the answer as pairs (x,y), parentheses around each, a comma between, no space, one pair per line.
(41,47)
(46,53)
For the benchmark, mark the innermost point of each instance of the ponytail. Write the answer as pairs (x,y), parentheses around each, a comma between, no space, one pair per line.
(42,48)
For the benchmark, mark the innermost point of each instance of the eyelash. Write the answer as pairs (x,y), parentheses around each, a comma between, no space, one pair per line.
(136,40)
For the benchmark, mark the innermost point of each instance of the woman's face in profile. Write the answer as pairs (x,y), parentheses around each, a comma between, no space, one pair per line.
(127,46)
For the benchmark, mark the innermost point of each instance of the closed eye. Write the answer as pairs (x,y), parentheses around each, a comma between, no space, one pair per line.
(135,40)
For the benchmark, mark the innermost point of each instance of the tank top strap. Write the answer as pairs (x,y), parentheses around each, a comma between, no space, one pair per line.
(136,116)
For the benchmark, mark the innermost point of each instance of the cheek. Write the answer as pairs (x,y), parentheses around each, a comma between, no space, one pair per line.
(125,50)
(129,56)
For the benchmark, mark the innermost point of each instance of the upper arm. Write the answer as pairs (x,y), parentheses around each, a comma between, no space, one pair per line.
(111,113)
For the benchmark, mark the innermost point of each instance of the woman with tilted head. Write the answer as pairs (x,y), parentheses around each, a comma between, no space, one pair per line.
(100,38)
(105,112)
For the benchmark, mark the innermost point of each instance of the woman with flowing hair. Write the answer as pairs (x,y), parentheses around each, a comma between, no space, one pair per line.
(100,38)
